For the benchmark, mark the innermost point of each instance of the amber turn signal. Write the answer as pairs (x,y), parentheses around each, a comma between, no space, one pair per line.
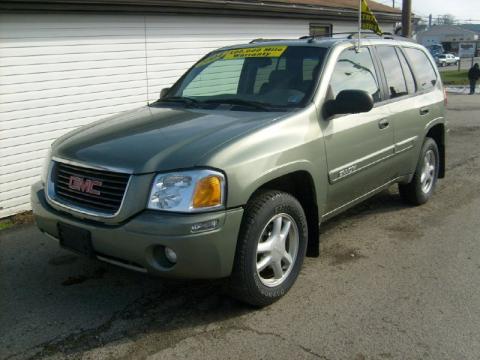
(208,192)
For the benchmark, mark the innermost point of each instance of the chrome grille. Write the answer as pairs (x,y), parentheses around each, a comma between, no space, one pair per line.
(87,188)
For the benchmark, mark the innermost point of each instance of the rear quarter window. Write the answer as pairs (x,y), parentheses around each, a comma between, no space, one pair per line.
(423,69)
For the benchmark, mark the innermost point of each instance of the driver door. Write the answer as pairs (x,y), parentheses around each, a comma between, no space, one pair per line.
(359,147)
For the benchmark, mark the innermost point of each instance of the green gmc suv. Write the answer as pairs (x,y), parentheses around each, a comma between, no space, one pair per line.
(231,171)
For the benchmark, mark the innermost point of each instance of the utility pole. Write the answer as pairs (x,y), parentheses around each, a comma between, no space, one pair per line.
(429,21)
(407,18)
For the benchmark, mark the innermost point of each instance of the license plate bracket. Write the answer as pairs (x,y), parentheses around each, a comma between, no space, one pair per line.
(75,239)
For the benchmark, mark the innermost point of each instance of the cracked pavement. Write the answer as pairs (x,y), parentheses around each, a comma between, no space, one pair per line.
(392,282)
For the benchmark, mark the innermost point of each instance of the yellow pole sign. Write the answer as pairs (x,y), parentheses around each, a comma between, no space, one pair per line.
(369,22)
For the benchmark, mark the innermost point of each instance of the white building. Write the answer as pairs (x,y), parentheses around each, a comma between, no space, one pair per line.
(449,36)
(64,64)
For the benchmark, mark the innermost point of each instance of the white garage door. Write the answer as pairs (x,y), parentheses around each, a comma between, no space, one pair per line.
(59,72)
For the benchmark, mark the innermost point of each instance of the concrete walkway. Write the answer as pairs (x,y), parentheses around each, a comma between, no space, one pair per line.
(461,89)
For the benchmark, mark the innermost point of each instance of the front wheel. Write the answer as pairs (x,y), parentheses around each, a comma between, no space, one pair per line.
(421,188)
(270,249)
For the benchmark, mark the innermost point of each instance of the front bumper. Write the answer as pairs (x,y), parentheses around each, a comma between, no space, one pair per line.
(138,242)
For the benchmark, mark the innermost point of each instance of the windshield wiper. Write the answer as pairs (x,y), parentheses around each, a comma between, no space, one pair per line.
(254,104)
(180,99)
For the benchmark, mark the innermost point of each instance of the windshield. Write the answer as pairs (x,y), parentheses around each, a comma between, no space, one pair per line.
(261,77)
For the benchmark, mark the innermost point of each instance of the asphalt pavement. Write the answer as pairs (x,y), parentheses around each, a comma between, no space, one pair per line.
(392,282)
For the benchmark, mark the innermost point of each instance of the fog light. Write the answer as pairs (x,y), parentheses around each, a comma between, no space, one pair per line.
(205,226)
(170,255)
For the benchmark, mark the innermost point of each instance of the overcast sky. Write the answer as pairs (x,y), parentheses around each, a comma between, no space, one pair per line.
(461,9)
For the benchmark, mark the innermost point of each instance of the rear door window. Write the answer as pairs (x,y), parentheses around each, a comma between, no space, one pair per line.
(407,72)
(393,71)
(423,69)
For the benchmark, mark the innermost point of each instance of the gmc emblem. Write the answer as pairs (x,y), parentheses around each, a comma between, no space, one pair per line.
(84,185)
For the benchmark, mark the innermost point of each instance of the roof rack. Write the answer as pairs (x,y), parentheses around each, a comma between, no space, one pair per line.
(259,40)
(348,35)
(364,34)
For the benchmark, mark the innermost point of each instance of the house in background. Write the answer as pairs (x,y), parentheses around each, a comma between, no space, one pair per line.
(67,63)
(449,36)
(476,29)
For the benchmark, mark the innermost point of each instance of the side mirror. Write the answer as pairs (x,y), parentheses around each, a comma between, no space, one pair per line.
(164,92)
(349,102)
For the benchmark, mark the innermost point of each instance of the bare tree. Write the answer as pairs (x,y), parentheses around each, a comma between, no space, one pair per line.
(447,19)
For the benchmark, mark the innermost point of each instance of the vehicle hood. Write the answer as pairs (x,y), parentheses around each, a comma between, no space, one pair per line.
(151,139)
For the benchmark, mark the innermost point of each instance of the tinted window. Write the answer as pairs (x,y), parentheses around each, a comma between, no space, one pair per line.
(407,72)
(393,71)
(221,77)
(263,73)
(423,68)
(355,71)
(280,75)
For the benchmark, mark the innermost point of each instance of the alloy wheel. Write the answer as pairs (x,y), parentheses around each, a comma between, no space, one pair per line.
(277,250)
(427,177)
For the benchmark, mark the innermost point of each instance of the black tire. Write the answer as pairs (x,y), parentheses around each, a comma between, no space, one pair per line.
(416,192)
(245,283)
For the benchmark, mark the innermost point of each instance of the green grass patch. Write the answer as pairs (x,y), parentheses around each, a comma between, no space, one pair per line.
(5,224)
(454,77)
(23,218)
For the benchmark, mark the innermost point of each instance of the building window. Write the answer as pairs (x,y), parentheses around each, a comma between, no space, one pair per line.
(320,29)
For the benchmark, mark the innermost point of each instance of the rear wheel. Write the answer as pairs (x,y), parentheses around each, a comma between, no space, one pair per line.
(421,188)
(270,249)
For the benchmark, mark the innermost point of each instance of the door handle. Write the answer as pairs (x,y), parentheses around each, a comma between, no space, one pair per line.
(424,111)
(382,124)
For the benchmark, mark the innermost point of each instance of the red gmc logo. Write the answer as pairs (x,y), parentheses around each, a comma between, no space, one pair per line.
(84,185)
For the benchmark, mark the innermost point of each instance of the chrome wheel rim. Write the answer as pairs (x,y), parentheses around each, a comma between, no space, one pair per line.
(427,176)
(277,250)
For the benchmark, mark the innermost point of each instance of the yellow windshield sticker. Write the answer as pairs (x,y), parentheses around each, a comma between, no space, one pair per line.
(212,58)
(264,51)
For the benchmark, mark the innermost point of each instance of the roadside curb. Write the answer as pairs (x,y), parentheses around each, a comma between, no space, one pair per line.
(465,90)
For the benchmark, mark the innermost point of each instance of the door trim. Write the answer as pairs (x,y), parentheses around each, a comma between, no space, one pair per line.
(405,145)
(365,162)
(360,198)
(360,164)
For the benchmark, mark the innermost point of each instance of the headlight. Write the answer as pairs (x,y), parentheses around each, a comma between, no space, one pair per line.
(188,191)
(46,166)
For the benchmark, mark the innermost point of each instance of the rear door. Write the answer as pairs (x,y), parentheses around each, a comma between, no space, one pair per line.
(402,105)
(411,104)
(357,145)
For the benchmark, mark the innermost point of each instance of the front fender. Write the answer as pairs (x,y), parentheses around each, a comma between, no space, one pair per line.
(293,143)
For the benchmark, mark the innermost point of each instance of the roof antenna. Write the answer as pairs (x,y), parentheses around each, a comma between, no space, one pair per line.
(359,25)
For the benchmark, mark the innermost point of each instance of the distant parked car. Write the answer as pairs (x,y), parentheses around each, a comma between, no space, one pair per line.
(457,58)
(446,59)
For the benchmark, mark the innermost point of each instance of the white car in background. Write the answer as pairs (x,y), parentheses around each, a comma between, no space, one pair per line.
(446,59)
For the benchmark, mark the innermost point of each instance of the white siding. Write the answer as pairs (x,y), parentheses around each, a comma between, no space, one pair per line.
(59,72)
